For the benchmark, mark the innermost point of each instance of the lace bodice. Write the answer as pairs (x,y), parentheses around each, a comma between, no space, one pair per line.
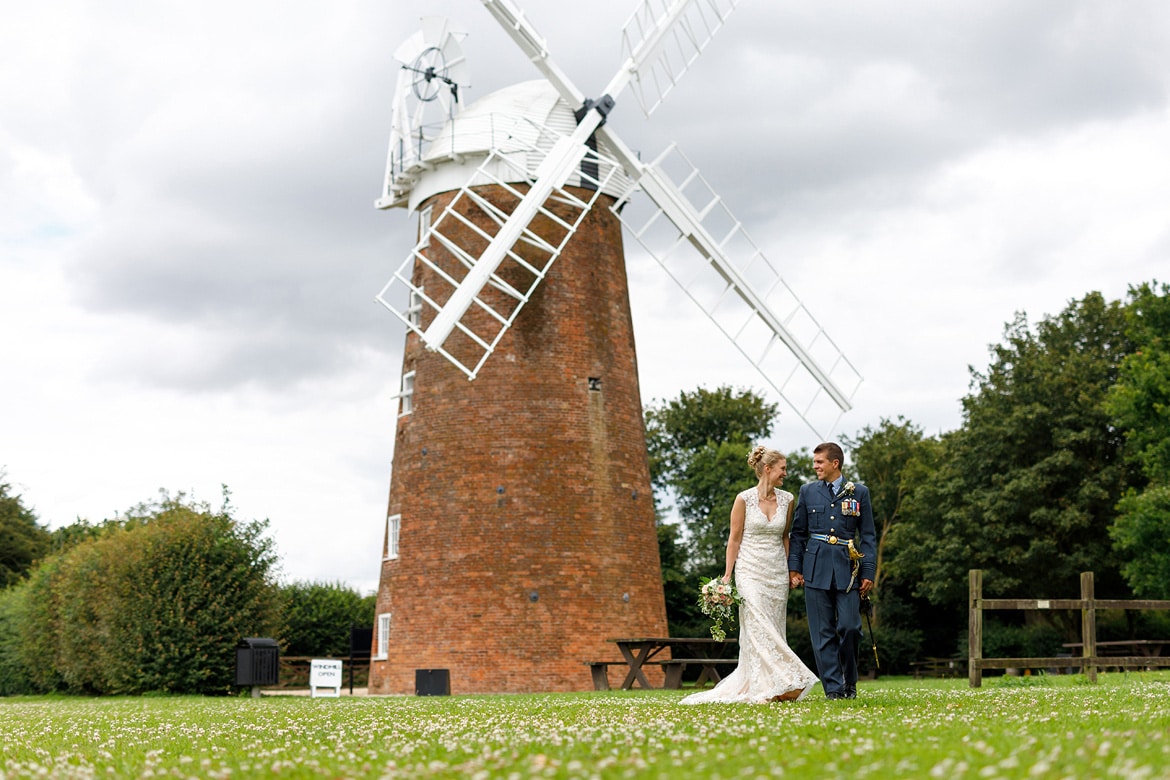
(767,665)
(757,522)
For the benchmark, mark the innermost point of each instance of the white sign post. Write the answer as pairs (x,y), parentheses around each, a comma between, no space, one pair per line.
(324,674)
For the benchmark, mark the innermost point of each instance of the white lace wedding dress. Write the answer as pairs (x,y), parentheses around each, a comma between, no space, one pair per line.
(767,665)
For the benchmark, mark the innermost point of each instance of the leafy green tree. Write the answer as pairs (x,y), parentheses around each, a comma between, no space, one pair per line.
(22,540)
(800,471)
(81,530)
(678,585)
(1140,401)
(891,459)
(1140,405)
(676,429)
(705,491)
(1027,486)
(317,617)
(1144,516)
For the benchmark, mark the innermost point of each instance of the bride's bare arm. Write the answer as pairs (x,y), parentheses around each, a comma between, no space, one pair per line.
(738,510)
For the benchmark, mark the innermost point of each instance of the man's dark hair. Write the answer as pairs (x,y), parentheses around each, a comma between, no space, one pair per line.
(832,451)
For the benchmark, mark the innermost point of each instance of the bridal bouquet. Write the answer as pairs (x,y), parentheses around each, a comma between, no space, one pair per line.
(718,601)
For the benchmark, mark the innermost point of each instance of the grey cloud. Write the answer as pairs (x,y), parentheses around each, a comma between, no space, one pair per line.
(263,228)
(773,117)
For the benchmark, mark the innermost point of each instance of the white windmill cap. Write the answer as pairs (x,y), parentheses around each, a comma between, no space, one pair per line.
(521,121)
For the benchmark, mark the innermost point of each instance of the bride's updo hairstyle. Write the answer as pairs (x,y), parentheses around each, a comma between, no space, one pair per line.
(762,457)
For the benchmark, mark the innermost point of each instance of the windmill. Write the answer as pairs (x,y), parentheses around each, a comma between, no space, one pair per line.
(521,198)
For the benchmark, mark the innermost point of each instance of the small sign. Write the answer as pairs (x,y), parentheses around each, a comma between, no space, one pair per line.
(1042,605)
(324,673)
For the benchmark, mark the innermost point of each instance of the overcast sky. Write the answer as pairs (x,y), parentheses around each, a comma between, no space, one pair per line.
(189,250)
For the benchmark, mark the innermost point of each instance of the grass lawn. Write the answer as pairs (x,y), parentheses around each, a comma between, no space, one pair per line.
(1033,727)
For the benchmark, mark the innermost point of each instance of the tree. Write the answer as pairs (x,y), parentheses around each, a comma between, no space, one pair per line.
(1140,405)
(675,429)
(317,617)
(800,471)
(683,616)
(1140,401)
(1144,516)
(891,459)
(22,540)
(1026,488)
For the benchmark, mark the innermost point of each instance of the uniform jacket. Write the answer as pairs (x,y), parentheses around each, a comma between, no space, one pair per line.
(820,512)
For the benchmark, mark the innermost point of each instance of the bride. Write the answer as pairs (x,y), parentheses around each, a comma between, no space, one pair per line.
(757,551)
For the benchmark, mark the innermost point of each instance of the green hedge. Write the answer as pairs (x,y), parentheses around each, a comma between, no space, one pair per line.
(13,676)
(158,603)
(317,617)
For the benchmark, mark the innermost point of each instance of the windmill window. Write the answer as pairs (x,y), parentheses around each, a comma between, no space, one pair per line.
(595,384)
(424,228)
(414,308)
(393,523)
(383,651)
(406,396)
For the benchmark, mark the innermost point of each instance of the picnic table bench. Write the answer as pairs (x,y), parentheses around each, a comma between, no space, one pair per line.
(638,652)
(1128,653)
(939,667)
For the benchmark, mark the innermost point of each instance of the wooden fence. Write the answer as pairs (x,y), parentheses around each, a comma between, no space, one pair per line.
(1088,605)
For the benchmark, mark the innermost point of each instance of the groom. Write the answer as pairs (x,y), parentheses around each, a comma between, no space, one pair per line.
(834,554)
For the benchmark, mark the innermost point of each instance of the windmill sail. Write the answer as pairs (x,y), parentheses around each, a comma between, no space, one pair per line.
(705,249)
(561,161)
(661,39)
(664,37)
(452,248)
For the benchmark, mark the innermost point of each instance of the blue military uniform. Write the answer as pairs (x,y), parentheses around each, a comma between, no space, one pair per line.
(824,524)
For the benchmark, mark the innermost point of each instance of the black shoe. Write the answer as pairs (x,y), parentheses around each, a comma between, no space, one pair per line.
(850,693)
(834,695)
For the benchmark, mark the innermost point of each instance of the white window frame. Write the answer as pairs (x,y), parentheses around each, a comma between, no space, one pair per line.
(415,306)
(383,648)
(393,525)
(424,228)
(406,395)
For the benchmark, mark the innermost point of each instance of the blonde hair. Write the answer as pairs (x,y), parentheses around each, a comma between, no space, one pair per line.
(761,457)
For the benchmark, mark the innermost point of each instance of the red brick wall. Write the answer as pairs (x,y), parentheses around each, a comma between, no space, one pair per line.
(524,481)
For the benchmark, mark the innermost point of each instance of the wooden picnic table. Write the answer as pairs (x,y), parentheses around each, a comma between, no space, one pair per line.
(639,651)
(1147,648)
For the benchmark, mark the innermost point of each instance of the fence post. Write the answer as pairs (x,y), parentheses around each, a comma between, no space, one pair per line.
(975,628)
(1089,623)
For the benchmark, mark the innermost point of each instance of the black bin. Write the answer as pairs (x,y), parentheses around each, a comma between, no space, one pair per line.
(432,682)
(257,661)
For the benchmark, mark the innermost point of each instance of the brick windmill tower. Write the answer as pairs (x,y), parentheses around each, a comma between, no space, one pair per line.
(520,531)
